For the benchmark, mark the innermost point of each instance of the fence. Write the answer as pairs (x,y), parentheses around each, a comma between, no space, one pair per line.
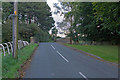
(8,48)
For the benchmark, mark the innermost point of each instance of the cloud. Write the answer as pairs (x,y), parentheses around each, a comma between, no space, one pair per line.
(56,17)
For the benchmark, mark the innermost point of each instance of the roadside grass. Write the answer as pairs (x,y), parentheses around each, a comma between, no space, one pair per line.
(106,52)
(10,66)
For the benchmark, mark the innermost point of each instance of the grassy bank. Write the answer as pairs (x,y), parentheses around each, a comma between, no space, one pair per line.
(106,52)
(10,65)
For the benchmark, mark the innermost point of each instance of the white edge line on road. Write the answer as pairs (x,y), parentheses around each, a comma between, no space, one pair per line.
(63,57)
(53,47)
(83,75)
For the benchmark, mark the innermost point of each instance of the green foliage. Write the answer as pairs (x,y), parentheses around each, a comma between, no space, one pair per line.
(7,31)
(54,33)
(40,11)
(43,21)
(108,15)
(25,32)
(11,65)
(7,10)
(0,34)
(94,21)
(106,52)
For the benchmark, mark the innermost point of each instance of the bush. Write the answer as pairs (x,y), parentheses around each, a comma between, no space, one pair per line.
(25,32)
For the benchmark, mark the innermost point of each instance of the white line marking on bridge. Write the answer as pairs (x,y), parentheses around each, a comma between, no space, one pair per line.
(63,57)
(83,75)
(53,47)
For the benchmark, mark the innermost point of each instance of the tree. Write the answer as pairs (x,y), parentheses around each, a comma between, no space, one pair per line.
(94,21)
(54,33)
(7,31)
(7,9)
(39,12)
(108,14)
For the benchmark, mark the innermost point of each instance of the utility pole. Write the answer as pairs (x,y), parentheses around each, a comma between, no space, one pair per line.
(15,30)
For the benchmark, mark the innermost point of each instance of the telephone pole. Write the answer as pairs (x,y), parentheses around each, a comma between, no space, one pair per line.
(15,30)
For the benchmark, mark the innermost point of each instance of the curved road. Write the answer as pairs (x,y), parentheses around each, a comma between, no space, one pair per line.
(53,60)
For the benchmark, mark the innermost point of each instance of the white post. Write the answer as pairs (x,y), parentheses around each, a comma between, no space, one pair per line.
(3,49)
(7,48)
(10,46)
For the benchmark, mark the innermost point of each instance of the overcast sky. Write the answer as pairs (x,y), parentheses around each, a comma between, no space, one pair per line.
(56,17)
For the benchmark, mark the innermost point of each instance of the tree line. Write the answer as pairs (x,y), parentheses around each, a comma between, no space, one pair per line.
(34,20)
(93,21)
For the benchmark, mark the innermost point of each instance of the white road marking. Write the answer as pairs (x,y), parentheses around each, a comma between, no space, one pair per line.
(53,47)
(63,57)
(83,75)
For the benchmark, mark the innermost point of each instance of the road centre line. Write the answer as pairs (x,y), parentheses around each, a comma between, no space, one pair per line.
(53,47)
(83,75)
(63,57)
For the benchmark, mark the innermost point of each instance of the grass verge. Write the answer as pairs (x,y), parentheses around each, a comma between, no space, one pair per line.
(106,52)
(10,66)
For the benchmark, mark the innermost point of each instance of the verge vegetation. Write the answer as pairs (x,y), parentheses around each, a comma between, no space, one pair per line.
(106,52)
(10,66)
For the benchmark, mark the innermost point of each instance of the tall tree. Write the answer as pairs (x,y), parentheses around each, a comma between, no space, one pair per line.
(37,14)
(40,12)
(95,21)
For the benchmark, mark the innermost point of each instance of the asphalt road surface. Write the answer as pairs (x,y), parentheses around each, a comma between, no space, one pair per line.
(53,60)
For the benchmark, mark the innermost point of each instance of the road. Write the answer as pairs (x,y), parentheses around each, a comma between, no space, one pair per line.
(53,60)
